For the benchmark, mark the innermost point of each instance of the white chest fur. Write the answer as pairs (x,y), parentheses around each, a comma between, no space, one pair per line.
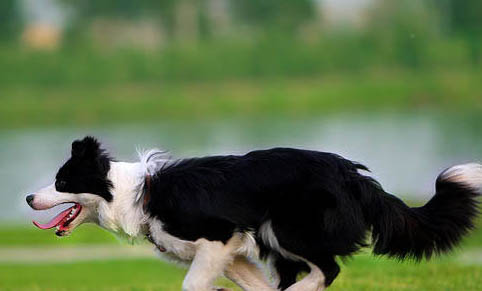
(123,215)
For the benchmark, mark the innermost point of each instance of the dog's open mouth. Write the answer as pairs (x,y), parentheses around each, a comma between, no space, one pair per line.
(62,220)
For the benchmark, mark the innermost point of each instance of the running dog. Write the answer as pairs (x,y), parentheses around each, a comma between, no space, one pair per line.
(297,210)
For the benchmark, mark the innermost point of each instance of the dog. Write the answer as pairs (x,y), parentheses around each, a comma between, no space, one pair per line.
(297,210)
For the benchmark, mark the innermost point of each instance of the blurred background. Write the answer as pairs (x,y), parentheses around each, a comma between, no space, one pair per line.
(394,84)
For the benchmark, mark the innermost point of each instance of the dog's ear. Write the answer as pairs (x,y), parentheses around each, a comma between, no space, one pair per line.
(88,147)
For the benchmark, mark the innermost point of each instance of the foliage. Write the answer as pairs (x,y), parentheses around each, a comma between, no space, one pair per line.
(333,54)
(10,20)
(88,102)
(87,10)
(464,19)
(403,30)
(464,15)
(91,9)
(285,15)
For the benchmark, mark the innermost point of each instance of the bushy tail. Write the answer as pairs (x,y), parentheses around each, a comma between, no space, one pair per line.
(420,232)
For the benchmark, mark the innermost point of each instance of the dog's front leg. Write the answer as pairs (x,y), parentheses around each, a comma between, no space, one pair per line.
(209,262)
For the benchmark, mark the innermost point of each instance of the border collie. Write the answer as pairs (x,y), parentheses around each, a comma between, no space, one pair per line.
(297,210)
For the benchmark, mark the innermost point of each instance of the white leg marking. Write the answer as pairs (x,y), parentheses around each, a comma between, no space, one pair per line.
(209,262)
(314,281)
(248,275)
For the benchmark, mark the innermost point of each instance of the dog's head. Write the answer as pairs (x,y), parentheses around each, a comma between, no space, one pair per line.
(82,180)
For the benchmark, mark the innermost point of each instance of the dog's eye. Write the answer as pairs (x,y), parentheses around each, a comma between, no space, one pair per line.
(60,184)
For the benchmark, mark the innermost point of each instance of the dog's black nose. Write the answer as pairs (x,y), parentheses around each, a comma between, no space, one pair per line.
(29,199)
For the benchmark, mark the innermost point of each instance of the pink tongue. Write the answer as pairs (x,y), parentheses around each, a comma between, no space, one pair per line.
(55,221)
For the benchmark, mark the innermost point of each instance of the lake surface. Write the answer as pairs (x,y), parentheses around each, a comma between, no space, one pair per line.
(404,151)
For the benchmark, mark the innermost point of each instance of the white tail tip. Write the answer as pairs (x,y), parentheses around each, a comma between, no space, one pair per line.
(469,175)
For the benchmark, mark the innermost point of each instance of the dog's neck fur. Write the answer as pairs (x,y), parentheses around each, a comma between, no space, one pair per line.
(124,215)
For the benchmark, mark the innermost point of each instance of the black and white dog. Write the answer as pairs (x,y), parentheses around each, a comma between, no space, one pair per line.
(296,209)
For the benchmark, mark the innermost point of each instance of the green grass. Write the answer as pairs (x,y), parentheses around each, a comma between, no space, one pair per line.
(28,235)
(362,273)
(113,103)
(100,275)
(368,273)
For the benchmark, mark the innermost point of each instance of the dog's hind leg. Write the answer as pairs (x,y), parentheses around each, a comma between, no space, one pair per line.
(287,270)
(248,275)
(314,281)
(329,267)
(210,261)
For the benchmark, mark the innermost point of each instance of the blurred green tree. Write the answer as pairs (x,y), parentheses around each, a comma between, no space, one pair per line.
(464,19)
(465,15)
(283,15)
(401,30)
(86,10)
(10,19)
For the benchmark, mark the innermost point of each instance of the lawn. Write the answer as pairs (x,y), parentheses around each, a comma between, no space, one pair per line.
(461,270)
(362,273)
